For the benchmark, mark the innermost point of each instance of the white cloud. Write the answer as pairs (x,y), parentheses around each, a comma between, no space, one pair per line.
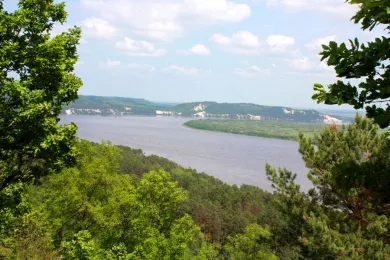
(242,42)
(141,67)
(246,39)
(108,64)
(98,28)
(182,71)
(160,31)
(334,7)
(139,48)
(198,49)
(165,20)
(316,44)
(302,64)
(219,10)
(306,64)
(280,43)
(221,39)
(252,71)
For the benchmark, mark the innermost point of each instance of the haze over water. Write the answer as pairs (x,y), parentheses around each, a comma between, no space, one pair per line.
(235,159)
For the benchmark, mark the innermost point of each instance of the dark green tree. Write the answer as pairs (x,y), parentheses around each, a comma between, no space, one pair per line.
(36,79)
(346,215)
(367,62)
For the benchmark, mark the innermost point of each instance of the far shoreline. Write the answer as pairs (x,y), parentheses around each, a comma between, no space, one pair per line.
(205,125)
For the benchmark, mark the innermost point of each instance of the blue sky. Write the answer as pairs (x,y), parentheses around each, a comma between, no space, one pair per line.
(260,51)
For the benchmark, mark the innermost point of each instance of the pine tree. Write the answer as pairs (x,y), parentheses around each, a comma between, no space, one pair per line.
(346,214)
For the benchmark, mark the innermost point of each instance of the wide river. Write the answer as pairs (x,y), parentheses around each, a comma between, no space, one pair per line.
(235,159)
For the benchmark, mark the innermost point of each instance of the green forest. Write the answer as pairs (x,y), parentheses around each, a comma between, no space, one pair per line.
(95,105)
(66,198)
(117,203)
(270,129)
(233,110)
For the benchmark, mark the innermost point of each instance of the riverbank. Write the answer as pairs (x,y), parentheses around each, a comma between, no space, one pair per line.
(269,129)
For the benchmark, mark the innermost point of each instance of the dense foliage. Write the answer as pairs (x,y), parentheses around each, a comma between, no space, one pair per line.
(346,215)
(96,211)
(251,245)
(368,62)
(116,200)
(219,209)
(115,213)
(270,129)
(36,80)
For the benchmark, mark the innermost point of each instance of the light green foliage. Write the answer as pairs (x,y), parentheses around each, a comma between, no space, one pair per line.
(270,129)
(219,209)
(253,244)
(347,215)
(33,239)
(160,232)
(158,199)
(96,212)
(92,192)
(82,247)
(37,79)
(368,60)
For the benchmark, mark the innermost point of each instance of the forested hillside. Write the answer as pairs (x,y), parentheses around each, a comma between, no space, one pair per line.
(116,202)
(244,110)
(93,105)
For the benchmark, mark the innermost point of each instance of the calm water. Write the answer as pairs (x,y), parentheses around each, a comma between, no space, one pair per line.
(235,159)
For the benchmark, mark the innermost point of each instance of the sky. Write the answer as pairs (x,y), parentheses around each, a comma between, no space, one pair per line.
(257,51)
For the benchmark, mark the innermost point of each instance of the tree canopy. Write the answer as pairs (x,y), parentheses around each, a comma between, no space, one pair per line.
(91,211)
(37,78)
(365,62)
(346,215)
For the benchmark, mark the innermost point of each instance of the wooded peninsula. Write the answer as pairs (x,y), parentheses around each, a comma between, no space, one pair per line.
(286,130)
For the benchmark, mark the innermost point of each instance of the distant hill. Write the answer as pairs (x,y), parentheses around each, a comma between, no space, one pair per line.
(94,105)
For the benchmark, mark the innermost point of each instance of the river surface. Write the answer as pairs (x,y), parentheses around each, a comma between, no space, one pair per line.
(235,159)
